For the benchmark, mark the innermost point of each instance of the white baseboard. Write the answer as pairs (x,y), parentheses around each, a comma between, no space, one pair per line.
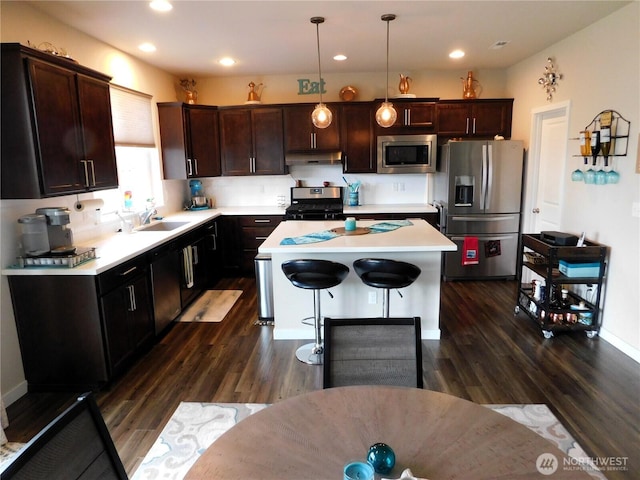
(624,347)
(15,393)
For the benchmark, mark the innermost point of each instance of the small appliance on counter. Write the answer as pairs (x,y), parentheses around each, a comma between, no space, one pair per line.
(47,240)
(199,201)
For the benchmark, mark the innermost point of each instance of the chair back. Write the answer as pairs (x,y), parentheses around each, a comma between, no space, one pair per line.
(75,445)
(372,351)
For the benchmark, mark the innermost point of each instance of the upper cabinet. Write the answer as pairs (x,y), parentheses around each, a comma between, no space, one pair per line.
(415,115)
(301,135)
(57,132)
(189,140)
(251,141)
(474,118)
(356,137)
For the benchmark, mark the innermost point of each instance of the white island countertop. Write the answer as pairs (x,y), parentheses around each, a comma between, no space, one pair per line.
(418,237)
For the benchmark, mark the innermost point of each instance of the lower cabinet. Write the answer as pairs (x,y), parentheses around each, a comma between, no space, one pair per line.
(240,238)
(80,331)
(128,319)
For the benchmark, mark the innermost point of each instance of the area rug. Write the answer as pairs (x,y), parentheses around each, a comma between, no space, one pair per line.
(195,426)
(212,306)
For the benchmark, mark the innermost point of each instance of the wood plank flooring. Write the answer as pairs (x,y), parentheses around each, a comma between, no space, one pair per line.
(486,354)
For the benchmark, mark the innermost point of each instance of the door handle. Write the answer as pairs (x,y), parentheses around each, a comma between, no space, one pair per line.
(536,210)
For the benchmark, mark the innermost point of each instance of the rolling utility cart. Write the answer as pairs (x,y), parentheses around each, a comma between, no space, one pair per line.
(573,277)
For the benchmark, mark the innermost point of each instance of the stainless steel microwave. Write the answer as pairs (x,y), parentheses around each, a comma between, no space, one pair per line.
(407,153)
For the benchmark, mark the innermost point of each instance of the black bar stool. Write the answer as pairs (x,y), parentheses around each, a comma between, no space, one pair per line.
(386,274)
(314,275)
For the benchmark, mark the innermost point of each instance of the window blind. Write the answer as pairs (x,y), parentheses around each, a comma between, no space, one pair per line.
(131,113)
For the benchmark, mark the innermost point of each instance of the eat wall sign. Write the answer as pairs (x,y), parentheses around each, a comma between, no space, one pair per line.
(308,87)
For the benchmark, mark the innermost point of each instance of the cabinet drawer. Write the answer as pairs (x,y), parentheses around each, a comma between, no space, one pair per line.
(259,220)
(252,237)
(120,274)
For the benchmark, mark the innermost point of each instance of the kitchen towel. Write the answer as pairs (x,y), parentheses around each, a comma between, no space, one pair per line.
(470,251)
(325,235)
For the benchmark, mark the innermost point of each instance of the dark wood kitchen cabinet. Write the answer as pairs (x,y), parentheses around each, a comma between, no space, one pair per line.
(80,331)
(416,115)
(127,314)
(356,137)
(57,132)
(189,140)
(301,135)
(482,119)
(251,141)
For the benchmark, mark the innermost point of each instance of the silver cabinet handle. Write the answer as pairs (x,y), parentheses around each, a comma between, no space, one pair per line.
(474,124)
(195,164)
(261,238)
(190,168)
(466,130)
(132,298)
(196,258)
(132,269)
(261,220)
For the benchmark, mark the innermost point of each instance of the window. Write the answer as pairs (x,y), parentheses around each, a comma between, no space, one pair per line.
(136,153)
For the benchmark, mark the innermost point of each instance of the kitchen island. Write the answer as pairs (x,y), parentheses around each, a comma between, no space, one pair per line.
(417,243)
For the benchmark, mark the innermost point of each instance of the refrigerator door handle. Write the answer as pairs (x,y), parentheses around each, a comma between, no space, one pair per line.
(489,178)
(483,188)
(484,238)
(484,218)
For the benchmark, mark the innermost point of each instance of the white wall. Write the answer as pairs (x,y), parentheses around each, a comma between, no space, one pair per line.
(601,70)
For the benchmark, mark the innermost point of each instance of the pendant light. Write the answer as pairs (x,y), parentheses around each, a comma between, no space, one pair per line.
(321,116)
(386,115)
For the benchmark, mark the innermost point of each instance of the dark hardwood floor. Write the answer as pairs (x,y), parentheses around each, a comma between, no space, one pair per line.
(486,354)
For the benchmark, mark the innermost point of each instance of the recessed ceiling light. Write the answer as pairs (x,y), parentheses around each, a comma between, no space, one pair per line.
(456,54)
(147,47)
(499,44)
(227,61)
(340,57)
(160,5)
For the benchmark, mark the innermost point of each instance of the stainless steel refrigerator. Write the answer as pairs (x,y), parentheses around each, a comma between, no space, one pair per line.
(478,189)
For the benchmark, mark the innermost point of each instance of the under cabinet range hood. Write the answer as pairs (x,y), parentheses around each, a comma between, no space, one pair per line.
(313,158)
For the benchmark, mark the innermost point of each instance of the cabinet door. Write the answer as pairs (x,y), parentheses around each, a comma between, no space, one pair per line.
(453,119)
(236,147)
(97,129)
(357,138)
(268,142)
(302,135)
(417,114)
(204,147)
(59,135)
(492,118)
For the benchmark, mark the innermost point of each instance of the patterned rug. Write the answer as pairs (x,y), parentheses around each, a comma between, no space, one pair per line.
(212,306)
(195,426)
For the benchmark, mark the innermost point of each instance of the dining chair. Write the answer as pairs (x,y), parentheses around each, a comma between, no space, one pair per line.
(75,445)
(372,351)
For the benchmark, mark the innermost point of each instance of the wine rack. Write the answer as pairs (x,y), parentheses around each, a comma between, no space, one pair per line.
(620,127)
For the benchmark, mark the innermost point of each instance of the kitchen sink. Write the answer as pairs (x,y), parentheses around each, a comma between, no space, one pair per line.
(161,227)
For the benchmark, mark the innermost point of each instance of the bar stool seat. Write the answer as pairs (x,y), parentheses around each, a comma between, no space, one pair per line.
(386,274)
(316,275)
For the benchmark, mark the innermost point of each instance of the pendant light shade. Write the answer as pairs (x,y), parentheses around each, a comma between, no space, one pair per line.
(321,115)
(386,115)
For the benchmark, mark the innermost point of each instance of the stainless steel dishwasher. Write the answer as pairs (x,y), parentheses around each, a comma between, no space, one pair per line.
(165,278)
(264,287)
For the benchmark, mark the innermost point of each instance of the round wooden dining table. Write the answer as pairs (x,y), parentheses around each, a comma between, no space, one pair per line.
(437,436)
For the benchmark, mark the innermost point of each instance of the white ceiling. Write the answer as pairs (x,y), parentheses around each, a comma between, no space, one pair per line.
(276,37)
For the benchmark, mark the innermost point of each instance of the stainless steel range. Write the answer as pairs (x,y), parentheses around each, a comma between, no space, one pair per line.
(315,203)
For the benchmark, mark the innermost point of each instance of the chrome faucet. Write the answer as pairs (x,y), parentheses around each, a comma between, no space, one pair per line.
(145,217)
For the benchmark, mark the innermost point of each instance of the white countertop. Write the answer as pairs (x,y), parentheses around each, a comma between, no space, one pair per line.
(419,237)
(390,208)
(114,249)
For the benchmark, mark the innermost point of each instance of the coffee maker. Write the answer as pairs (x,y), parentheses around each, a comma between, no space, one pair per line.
(58,231)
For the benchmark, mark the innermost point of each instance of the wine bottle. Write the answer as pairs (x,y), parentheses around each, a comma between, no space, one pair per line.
(605,143)
(595,145)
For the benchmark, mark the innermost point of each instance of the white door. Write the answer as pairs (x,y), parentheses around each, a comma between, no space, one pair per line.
(547,156)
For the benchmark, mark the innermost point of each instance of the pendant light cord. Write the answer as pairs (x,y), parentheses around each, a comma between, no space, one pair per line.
(318,21)
(386,91)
